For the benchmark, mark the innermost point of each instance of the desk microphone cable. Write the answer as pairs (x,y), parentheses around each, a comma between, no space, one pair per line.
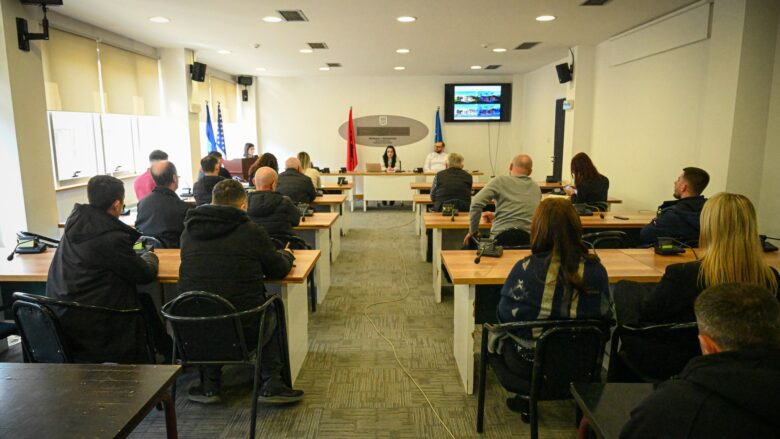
(388,341)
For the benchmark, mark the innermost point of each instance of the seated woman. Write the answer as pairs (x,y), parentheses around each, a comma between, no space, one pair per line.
(557,281)
(308,169)
(389,159)
(590,186)
(266,159)
(249,151)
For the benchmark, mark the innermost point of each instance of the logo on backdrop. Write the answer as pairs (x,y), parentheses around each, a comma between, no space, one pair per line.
(383,130)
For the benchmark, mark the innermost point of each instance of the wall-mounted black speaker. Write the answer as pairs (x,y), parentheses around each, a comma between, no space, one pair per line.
(198,71)
(564,73)
(244,80)
(245,95)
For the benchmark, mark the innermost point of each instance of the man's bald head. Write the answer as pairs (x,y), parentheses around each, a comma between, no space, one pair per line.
(521,165)
(265,179)
(293,163)
(164,174)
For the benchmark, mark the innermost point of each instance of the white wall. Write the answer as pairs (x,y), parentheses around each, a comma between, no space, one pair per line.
(770,182)
(304,114)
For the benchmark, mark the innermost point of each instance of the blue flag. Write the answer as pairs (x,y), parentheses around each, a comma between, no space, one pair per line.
(437,135)
(212,144)
(220,132)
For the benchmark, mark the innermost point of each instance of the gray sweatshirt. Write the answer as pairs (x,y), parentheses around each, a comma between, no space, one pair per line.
(516,201)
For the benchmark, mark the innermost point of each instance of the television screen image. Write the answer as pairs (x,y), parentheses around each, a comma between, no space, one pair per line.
(477,102)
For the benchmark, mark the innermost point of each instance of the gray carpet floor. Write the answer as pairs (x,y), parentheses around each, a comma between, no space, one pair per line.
(354,387)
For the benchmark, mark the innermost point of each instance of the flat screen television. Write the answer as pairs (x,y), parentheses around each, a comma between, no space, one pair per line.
(477,102)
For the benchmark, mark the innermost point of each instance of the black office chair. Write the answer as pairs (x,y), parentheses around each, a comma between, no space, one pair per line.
(208,330)
(514,238)
(460,205)
(607,239)
(651,353)
(567,351)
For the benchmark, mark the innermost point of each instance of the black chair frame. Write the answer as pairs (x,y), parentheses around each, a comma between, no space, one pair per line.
(593,240)
(509,237)
(45,303)
(550,327)
(235,317)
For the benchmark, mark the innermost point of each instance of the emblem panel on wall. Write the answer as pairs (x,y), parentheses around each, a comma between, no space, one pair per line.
(382,130)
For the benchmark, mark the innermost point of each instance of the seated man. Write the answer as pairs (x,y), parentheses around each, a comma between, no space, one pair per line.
(452,185)
(295,184)
(225,253)
(270,209)
(222,171)
(437,160)
(209,165)
(730,391)
(516,197)
(679,218)
(144,184)
(161,214)
(95,265)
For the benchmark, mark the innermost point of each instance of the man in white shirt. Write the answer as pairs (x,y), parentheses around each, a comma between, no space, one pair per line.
(437,160)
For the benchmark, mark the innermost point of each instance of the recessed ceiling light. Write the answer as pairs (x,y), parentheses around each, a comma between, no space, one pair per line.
(499,50)
(324,69)
(406,19)
(161,20)
(399,68)
(260,69)
(476,67)
(545,18)
(224,52)
(403,51)
(272,19)
(305,51)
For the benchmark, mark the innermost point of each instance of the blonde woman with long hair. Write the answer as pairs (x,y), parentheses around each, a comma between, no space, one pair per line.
(308,170)
(731,254)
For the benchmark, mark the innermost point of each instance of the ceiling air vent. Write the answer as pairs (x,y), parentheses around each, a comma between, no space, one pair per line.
(493,67)
(318,45)
(594,2)
(296,15)
(527,45)
(333,64)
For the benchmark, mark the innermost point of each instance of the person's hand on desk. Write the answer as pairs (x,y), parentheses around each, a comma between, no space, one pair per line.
(467,239)
(389,170)
(488,217)
(569,190)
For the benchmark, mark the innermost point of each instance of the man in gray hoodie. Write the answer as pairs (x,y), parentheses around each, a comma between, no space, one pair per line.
(516,196)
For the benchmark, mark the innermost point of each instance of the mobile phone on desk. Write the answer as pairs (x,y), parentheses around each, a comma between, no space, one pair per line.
(625,218)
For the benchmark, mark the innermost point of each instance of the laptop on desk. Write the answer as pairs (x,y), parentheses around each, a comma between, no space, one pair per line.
(373,167)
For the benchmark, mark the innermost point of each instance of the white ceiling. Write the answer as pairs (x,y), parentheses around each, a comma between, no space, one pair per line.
(363,35)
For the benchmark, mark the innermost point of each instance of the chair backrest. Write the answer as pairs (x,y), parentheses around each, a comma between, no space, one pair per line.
(42,340)
(566,354)
(656,353)
(295,241)
(207,328)
(608,239)
(513,238)
(460,205)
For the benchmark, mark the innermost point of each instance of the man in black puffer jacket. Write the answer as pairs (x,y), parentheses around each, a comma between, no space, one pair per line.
(225,253)
(452,185)
(733,390)
(295,184)
(270,209)
(202,188)
(679,218)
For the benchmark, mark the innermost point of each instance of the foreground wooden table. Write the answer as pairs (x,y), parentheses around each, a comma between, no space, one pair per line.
(608,406)
(346,189)
(318,231)
(82,400)
(35,268)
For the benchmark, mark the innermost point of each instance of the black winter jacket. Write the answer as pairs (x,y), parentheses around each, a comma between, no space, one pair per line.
(274,211)
(724,395)
(297,186)
(202,188)
(161,214)
(676,219)
(452,184)
(95,265)
(224,253)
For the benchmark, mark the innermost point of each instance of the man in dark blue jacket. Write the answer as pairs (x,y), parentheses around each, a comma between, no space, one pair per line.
(679,218)
(270,209)
(295,184)
(161,213)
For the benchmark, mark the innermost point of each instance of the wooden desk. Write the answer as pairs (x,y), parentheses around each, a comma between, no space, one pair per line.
(317,230)
(335,203)
(608,406)
(35,268)
(82,400)
(342,188)
(426,185)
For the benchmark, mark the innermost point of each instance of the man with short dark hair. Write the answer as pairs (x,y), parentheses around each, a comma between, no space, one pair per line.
(679,218)
(295,184)
(202,188)
(161,214)
(270,209)
(225,253)
(144,184)
(222,171)
(95,265)
(452,185)
(733,390)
